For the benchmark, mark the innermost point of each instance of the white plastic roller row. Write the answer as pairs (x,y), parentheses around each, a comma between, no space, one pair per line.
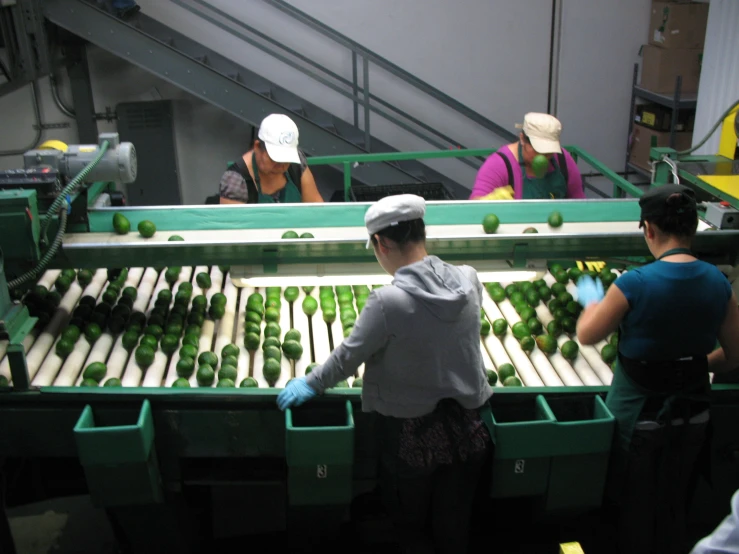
(171,373)
(509,350)
(537,368)
(151,284)
(103,347)
(300,322)
(245,366)
(43,362)
(46,280)
(143,280)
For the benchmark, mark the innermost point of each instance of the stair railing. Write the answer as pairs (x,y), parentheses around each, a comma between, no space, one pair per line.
(359,94)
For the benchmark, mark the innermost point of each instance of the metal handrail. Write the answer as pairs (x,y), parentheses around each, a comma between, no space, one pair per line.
(297,55)
(391,67)
(620,185)
(359,95)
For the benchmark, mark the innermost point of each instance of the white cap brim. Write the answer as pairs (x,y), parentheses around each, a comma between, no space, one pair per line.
(282,154)
(545,146)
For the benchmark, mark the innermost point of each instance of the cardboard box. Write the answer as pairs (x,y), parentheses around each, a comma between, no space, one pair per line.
(660,69)
(641,143)
(659,118)
(675,25)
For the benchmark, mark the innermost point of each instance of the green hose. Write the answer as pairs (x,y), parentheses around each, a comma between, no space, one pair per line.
(713,130)
(72,185)
(59,202)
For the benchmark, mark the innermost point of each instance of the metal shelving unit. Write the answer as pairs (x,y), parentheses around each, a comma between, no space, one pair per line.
(676,102)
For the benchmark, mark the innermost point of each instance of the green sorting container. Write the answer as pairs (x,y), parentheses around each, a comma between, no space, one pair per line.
(584,430)
(522,433)
(120,461)
(320,454)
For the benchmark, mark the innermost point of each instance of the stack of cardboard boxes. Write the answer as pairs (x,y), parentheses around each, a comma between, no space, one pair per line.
(677,31)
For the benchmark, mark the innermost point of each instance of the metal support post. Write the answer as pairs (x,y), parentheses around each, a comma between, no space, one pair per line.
(675,110)
(365,87)
(347,180)
(355,89)
(79,80)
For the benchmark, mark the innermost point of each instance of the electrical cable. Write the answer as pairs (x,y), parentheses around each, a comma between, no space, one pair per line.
(59,203)
(713,130)
(54,84)
(39,130)
(5,71)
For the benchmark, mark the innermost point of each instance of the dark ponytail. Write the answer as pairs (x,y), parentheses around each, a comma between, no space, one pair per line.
(404,233)
(680,217)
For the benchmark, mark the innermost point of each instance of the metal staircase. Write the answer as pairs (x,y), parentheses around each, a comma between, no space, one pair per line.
(210,76)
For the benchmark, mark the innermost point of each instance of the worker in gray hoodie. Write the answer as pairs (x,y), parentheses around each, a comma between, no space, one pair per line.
(419,339)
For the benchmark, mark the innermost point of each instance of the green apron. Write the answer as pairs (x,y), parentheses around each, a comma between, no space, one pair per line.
(551,186)
(289,194)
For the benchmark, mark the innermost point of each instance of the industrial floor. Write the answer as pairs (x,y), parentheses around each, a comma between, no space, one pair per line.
(73,525)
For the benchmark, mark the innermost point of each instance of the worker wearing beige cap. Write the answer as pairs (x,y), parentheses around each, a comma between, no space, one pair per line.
(273,171)
(515,172)
(424,380)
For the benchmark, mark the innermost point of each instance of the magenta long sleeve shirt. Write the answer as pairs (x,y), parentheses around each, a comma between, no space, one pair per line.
(493,174)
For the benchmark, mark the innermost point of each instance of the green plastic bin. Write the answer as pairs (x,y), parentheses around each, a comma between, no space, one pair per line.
(320,455)
(584,430)
(120,461)
(522,433)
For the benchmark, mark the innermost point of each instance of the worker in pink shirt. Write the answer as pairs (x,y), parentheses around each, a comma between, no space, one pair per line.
(510,172)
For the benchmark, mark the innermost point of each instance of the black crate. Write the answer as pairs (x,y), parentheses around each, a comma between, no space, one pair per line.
(428,191)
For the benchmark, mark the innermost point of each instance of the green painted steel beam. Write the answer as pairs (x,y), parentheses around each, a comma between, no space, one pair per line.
(620,185)
(300,216)
(96,251)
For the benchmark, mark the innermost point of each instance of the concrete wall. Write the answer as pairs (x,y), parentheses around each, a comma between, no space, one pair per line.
(491,55)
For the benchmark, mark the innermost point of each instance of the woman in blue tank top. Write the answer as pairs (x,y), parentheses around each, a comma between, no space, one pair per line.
(669,315)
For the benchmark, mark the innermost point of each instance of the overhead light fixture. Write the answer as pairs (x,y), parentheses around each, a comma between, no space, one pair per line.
(303,275)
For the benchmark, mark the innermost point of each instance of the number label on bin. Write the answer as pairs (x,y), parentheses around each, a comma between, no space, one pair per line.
(321,471)
(518,468)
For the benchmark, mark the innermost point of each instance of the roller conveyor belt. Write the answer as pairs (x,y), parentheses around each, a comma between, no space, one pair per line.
(47,368)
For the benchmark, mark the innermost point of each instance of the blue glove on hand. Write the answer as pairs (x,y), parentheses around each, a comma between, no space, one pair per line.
(589,291)
(297,392)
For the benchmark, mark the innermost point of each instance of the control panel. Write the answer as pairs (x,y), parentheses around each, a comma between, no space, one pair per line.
(722,215)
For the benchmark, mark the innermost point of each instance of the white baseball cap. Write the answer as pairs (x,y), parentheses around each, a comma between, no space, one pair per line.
(280,136)
(392,210)
(544,131)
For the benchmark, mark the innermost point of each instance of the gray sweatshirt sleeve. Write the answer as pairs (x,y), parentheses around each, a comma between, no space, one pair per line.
(725,539)
(368,336)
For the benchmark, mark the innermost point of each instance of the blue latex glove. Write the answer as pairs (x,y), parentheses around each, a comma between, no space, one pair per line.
(589,291)
(297,392)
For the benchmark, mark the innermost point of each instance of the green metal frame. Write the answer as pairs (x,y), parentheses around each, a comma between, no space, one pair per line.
(620,185)
(663,172)
(95,251)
